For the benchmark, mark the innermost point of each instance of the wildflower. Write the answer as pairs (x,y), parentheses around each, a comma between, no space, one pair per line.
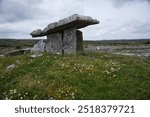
(19,94)
(72,94)
(6,98)
(18,62)
(15,91)
(35,97)
(112,69)
(61,92)
(107,72)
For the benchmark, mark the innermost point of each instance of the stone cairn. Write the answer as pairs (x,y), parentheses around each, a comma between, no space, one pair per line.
(63,37)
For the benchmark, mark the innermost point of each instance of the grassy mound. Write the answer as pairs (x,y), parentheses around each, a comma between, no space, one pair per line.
(87,76)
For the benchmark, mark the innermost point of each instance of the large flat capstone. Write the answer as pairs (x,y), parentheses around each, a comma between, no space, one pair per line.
(77,21)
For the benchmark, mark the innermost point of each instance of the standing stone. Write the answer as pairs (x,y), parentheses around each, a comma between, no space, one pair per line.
(39,47)
(70,41)
(79,41)
(54,43)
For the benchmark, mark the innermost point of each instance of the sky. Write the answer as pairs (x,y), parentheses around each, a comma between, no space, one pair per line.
(119,19)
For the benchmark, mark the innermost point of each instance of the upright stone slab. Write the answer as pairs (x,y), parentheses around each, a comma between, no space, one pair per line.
(79,41)
(54,43)
(39,47)
(70,41)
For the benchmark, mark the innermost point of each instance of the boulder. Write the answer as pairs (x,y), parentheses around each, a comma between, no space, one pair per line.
(39,47)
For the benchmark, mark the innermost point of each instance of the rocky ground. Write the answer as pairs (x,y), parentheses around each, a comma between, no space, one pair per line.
(134,50)
(140,48)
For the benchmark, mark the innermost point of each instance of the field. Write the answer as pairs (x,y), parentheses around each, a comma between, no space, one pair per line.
(95,74)
(12,44)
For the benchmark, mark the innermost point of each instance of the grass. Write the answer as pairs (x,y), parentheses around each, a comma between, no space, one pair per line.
(92,75)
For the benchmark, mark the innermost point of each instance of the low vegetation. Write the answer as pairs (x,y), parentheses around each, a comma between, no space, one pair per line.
(92,75)
(13,44)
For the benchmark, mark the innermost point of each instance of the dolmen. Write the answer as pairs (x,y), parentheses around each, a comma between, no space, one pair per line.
(63,37)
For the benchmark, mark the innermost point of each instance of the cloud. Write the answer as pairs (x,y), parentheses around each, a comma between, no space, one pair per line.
(119,18)
(142,28)
(29,15)
(120,3)
(16,10)
(133,29)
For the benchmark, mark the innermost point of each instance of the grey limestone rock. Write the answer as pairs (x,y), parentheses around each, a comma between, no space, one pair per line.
(37,33)
(79,41)
(49,27)
(54,43)
(63,37)
(11,66)
(36,55)
(18,52)
(39,47)
(75,20)
(70,41)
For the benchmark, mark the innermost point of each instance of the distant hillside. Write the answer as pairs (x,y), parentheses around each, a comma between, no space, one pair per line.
(119,42)
(15,42)
(12,44)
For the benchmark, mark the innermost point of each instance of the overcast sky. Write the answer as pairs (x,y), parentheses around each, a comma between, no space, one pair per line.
(119,19)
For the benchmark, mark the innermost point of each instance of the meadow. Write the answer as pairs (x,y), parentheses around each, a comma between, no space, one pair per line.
(92,75)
